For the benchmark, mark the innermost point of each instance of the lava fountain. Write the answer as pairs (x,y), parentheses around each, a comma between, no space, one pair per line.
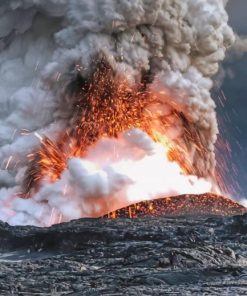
(114,152)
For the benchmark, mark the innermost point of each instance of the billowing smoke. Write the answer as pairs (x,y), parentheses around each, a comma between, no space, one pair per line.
(172,47)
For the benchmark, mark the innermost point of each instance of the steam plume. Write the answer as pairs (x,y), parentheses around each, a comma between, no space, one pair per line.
(174,47)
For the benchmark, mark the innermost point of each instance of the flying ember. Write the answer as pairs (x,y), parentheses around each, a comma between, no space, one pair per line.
(117,136)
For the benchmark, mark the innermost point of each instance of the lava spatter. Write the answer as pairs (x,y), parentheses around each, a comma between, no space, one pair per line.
(183,205)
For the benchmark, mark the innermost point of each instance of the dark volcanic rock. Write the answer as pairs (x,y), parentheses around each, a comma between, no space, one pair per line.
(149,256)
(144,256)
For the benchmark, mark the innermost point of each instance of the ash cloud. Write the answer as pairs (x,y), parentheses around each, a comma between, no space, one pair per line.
(45,44)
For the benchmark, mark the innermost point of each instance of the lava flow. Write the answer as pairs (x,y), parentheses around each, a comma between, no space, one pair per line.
(115,124)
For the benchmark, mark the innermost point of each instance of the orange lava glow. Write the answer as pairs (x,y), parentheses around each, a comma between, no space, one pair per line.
(104,107)
(204,204)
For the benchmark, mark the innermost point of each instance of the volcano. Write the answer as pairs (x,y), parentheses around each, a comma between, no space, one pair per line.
(202,205)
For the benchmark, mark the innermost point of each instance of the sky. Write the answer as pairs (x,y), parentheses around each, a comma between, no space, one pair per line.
(238,12)
(233,116)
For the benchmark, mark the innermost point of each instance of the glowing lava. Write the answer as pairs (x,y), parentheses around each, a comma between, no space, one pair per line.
(205,204)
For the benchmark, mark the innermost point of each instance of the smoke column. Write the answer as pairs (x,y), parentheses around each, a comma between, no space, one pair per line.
(45,45)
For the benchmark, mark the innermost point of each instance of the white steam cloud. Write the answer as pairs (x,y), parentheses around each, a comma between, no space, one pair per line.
(43,44)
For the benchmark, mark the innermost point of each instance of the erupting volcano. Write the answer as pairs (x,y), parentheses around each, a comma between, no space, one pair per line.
(109,119)
(117,134)
(110,109)
(115,177)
